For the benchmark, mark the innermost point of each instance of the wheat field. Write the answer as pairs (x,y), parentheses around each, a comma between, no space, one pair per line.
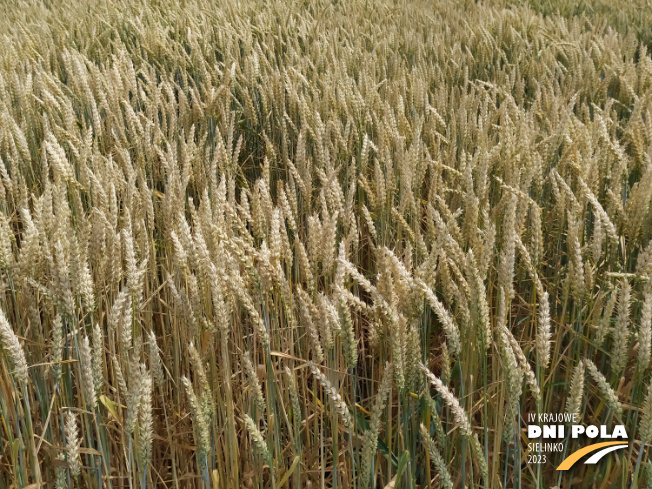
(342,244)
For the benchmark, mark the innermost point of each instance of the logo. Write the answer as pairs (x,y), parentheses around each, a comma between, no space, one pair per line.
(552,428)
(602,449)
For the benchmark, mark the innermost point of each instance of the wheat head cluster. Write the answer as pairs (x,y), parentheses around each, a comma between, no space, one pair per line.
(340,244)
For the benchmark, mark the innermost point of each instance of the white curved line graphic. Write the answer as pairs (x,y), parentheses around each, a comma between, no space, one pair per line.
(595,458)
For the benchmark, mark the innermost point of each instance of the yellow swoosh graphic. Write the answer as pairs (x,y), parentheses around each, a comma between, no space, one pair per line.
(575,456)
